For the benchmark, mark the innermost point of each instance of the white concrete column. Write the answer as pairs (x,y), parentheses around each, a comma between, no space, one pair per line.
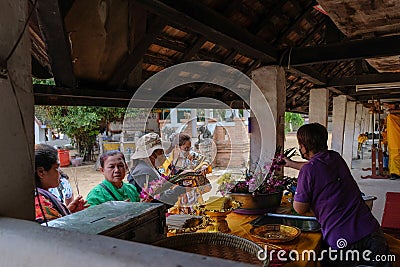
(193,121)
(357,128)
(371,123)
(271,81)
(207,116)
(366,119)
(16,115)
(174,117)
(246,113)
(349,132)
(338,119)
(318,106)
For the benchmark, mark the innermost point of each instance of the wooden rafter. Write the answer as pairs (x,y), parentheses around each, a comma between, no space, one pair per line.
(228,60)
(194,49)
(365,79)
(130,61)
(194,16)
(264,22)
(300,93)
(344,51)
(294,25)
(51,25)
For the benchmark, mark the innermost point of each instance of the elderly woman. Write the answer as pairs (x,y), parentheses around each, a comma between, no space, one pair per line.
(148,156)
(113,167)
(184,160)
(47,175)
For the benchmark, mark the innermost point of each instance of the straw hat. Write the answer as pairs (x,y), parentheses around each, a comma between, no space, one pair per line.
(146,145)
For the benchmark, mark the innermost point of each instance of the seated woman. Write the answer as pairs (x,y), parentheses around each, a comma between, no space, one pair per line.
(63,191)
(148,156)
(185,160)
(48,206)
(113,167)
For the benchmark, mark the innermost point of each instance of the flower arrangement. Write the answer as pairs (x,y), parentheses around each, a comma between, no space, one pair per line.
(262,181)
(153,189)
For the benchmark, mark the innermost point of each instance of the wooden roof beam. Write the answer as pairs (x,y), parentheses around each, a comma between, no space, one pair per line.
(194,49)
(51,24)
(343,51)
(194,16)
(228,60)
(365,79)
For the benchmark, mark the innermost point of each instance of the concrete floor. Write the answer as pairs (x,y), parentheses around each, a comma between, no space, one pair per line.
(374,187)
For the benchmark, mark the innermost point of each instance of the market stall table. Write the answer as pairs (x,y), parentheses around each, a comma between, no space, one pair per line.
(240,226)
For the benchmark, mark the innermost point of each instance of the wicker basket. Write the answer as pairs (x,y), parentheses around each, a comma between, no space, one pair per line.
(218,245)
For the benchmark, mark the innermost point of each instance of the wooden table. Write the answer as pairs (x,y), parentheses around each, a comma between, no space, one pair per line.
(240,226)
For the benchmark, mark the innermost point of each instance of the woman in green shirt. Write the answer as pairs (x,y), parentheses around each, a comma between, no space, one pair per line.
(113,167)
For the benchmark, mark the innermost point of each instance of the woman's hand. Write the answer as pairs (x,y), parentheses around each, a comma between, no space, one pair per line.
(77,204)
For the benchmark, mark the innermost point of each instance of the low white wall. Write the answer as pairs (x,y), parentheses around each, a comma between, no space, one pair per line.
(24,243)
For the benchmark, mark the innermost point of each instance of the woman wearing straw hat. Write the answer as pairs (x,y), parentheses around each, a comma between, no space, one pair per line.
(148,156)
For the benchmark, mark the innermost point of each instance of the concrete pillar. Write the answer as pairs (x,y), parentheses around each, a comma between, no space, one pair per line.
(174,117)
(271,81)
(207,116)
(357,128)
(371,123)
(349,132)
(246,113)
(366,120)
(318,107)
(338,119)
(16,115)
(193,121)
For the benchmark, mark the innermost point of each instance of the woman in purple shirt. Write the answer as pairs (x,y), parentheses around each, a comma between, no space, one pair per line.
(327,188)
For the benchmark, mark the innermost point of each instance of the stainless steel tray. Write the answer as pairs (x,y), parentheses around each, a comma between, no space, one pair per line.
(304,223)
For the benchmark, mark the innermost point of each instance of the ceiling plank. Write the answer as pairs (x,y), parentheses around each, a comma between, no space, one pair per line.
(365,79)
(307,73)
(51,25)
(130,62)
(169,43)
(265,21)
(294,25)
(344,51)
(194,16)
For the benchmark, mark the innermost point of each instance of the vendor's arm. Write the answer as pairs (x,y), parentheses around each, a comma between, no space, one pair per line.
(301,208)
(294,164)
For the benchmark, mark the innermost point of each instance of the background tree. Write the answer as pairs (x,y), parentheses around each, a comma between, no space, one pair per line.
(81,124)
(292,120)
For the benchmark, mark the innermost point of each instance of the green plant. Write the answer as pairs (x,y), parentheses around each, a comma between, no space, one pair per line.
(81,124)
(292,120)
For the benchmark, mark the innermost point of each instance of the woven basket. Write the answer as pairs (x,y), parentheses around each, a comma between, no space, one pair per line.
(218,245)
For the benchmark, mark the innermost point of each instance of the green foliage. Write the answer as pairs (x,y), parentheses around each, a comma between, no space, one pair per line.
(43,81)
(81,124)
(292,121)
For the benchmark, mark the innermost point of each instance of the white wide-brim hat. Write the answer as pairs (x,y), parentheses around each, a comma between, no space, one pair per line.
(146,145)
